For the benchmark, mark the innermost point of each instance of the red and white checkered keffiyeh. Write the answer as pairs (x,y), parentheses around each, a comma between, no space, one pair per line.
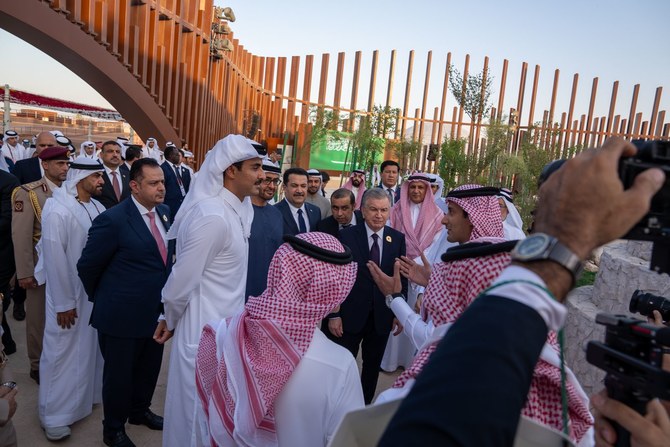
(428,224)
(359,194)
(266,341)
(483,212)
(452,287)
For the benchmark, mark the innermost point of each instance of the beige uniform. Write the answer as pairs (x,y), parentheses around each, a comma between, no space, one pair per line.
(27,203)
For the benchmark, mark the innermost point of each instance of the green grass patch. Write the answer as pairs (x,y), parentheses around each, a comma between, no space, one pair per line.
(586,279)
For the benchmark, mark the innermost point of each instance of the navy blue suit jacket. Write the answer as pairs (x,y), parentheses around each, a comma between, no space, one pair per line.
(329,224)
(27,170)
(123,273)
(173,197)
(365,294)
(108,198)
(290,226)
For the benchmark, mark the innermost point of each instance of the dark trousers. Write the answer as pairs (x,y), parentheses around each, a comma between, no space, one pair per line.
(373,346)
(7,340)
(129,377)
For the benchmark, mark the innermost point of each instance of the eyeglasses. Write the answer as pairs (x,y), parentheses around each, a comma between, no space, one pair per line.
(267,181)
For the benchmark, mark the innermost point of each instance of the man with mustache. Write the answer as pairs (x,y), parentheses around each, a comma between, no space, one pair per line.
(116,187)
(298,215)
(266,231)
(208,280)
(356,184)
(129,241)
(71,364)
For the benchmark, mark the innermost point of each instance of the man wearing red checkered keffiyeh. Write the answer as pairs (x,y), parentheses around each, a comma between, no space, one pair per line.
(454,285)
(268,376)
(356,184)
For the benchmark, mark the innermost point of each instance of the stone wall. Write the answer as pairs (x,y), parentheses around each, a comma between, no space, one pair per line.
(624,268)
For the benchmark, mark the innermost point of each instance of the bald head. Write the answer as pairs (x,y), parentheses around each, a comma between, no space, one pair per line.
(43,141)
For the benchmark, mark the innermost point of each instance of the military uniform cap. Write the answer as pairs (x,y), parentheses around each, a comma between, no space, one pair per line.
(54,153)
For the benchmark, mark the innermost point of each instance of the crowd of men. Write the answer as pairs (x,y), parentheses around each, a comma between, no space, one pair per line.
(269,293)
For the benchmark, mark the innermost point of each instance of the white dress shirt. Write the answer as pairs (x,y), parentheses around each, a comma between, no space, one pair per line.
(380,240)
(294,212)
(111,177)
(145,217)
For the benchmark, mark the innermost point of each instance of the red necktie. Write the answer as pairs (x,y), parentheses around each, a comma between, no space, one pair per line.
(116,186)
(155,232)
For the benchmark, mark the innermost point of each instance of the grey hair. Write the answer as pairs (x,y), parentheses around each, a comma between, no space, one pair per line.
(374,194)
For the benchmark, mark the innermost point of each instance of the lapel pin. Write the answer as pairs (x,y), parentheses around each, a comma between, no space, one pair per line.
(388,238)
(164,218)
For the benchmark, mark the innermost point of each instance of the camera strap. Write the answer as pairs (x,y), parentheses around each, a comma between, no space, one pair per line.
(564,389)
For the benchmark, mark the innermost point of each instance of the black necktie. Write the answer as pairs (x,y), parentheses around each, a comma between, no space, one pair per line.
(374,250)
(301,222)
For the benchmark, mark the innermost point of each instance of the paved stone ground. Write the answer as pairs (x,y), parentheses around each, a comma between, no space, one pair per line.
(87,432)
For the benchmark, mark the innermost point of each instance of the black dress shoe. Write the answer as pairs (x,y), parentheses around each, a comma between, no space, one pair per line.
(35,375)
(19,312)
(148,418)
(117,439)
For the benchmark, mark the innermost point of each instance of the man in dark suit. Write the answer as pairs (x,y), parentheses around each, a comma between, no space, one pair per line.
(7,267)
(364,316)
(129,242)
(116,187)
(29,170)
(298,216)
(177,181)
(342,203)
(389,171)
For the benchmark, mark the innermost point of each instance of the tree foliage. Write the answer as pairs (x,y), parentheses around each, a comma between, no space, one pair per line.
(475,99)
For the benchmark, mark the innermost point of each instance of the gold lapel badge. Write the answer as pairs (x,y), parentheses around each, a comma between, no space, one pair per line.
(388,238)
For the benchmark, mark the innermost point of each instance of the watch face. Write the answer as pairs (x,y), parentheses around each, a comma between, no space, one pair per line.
(531,246)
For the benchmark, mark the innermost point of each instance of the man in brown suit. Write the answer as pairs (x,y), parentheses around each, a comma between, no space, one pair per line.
(27,203)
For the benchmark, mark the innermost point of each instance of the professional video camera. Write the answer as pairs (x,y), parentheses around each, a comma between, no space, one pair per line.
(655,226)
(646,303)
(632,357)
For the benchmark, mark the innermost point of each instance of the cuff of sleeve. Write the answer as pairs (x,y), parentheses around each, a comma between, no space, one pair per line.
(69,305)
(161,317)
(401,309)
(552,312)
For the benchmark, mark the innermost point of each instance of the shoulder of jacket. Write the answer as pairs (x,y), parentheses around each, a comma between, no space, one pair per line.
(33,185)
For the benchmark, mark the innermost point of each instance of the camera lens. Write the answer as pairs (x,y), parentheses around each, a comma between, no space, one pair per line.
(646,303)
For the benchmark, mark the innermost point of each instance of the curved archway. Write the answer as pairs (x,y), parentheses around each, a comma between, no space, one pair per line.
(36,23)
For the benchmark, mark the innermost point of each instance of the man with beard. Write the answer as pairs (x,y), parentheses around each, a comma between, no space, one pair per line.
(116,187)
(209,278)
(266,231)
(71,364)
(314,194)
(356,184)
(297,215)
(151,150)
(123,268)
(27,204)
(11,147)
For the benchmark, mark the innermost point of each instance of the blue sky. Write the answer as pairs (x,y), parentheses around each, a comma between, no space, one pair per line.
(614,40)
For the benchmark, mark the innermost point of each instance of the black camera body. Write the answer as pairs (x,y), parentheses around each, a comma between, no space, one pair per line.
(632,357)
(655,226)
(646,303)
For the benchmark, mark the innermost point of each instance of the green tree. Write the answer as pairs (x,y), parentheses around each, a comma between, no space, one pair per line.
(405,150)
(475,95)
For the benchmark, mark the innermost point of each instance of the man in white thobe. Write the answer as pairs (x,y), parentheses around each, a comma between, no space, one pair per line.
(270,368)
(151,150)
(208,280)
(314,194)
(70,364)
(11,148)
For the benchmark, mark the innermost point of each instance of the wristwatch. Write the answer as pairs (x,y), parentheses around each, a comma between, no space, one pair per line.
(542,247)
(391,297)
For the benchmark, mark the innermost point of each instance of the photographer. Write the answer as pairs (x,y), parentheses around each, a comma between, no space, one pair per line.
(472,391)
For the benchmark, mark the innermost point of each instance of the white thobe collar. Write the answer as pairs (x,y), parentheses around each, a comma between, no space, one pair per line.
(415,209)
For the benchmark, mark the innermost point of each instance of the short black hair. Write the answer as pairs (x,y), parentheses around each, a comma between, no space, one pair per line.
(343,193)
(136,169)
(133,153)
(116,143)
(387,163)
(295,171)
(169,151)
(325,176)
